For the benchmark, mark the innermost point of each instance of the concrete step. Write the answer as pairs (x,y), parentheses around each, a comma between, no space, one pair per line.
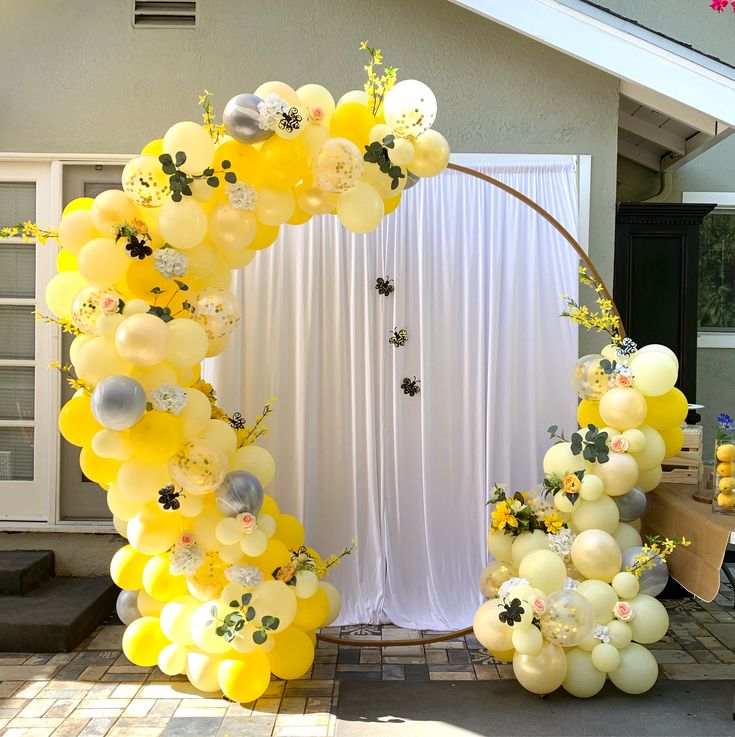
(22,570)
(56,616)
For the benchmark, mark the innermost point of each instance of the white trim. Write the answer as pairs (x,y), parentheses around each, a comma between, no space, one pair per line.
(615,51)
(723,200)
(467,159)
(652,132)
(67,158)
(93,526)
(717,339)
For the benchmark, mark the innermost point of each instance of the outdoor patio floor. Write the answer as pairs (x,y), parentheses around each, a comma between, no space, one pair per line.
(95,691)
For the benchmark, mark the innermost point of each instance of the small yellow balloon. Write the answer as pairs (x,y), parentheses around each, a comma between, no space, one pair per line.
(667,410)
(265,236)
(159,582)
(353,121)
(244,680)
(156,436)
(79,203)
(311,613)
(76,421)
(588,413)
(292,655)
(126,568)
(100,470)
(153,148)
(143,641)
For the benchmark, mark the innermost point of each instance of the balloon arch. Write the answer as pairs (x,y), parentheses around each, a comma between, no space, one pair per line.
(217,582)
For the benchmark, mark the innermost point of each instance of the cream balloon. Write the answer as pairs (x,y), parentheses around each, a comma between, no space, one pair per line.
(619,475)
(543,569)
(620,634)
(606,657)
(182,224)
(280,89)
(431,154)
(360,209)
(275,206)
(112,444)
(335,601)
(500,546)
(75,229)
(595,554)
(649,480)
(489,630)
(98,359)
(221,434)
(196,413)
(542,673)
(111,209)
(591,487)
(638,670)
(626,536)
(202,669)
(653,451)
(560,461)
(654,373)
(623,408)
(276,599)
(231,229)
(636,440)
(528,641)
(526,543)
(313,97)
(176,619)
(583,679)
(626,585)
(172,659)
(194,141)
(255,460)
(102,262)
(650,621)
(188,342)
(204,625)
(600,514)
(61,290)
(143,339)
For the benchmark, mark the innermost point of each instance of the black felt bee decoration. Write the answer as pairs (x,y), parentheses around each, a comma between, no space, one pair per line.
(290,120)
(384,286)
(411,386)
(168,498)
(512,613)
(398,338)
(237,421)
(627,348)
(138,248)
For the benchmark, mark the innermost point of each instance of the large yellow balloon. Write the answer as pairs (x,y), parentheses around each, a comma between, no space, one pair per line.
(650,621)
(153,531)
(311,613)
(667,410)
(156,436)
(97,359)
(265,236)
(78,203)
(489,630)
(75,229)
(194,141)
(143,339)
(182,224)
(176,619)
(602,596)
(61,290)
(619,475)
(542,673)
(188,342)
(431,154)
(588,413)
(244,680)
(111,209)
(255,460)
(560,460)
(583,679)
(126,568)
(361,208)
(76,422)
(159,582)
(654,450)
(623,408)
(595,554)
(544,570)
(100,470)
(230,228)
(352,121)
(284,163)
(292,655)
(289,531)
(274,206)
(244,161)
(673,438)
(638,670)
(143,641)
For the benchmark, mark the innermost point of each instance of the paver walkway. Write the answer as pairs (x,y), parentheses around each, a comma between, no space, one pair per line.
(95,691)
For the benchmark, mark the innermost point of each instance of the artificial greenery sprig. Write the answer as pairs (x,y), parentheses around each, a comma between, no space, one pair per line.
(655,549)
(247,435)
(377,86)
(164,311)
(64,323)
(593,446)
(71,380)
(215,130)
(603,321)
(377,153)
(242,613)
(29,231)
(179,181)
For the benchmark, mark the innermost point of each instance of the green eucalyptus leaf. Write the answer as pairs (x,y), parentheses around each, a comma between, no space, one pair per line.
(259,637)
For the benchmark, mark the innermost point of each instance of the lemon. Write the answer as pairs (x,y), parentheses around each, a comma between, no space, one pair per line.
(724,469)
(726,501)
(727,485)
(726,453)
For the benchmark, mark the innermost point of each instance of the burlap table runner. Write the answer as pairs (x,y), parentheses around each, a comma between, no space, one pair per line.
(672,512)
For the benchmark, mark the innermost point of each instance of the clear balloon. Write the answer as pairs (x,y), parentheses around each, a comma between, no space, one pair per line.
(493,576)
(198,467)
(569,618)
(589,381)
(145,182)
(126,606)
(652,581)
(338,165)
(217,311)
(409,108)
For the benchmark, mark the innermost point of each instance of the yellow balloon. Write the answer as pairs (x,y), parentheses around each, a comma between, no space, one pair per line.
(172,659)
(335,601)
(159,582)
(143,641)
(153,148)
(269,506)
(280,89)
(544,570)
(76,421)
(143,339)
(255,460)
(623,408)
(244,161)
(649,480)
(126,568)
(353,121)
(489,630)
(654,450)
(182,224)
(602,596)
(176,619)
(638,670)
(311,613)
(153,531)
(111,209)
(619,475)
(140,481)
(654,372)
(314,96)
(66,261)
(588,413)
(299,216)
(231,229)
(188,342)
(542,673)
(61,290)
(156,436)
(244,680)
(500,545)
(361,208)
(79,203)
(673,438)
(651,620)
(667,410)
(265,236)
(293,654)
(392,203)
(560,460)
(98,359)
(283,162)
(103,262)
(526,543)
(275,206)
(196,413)
(382,183)
(583,679)
(194,141)
(147,605)
(289,531)
(595,554)
(431,154)
(100,470)
(151,377)
(75,229)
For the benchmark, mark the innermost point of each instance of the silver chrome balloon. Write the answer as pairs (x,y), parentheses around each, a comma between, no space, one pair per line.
(631,505)
(127,606)
(241,117)
(239,492)
(411,180)
(118,402)
(652,580)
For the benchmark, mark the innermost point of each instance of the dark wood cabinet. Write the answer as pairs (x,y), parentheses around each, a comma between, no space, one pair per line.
(656,278)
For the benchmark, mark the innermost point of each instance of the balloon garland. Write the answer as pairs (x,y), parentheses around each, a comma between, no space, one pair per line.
(570,594)
(216,581)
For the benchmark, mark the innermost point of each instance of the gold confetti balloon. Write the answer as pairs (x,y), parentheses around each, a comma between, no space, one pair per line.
(589,380)
(198,467)
(144,181)
(217,311)
(338,165)
(90,303)
(409,108)
(568,620)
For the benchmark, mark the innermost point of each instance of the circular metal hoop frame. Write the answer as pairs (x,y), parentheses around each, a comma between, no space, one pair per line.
(595,275)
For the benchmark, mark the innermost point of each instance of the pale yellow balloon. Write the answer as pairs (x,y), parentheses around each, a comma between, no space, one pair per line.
(354,96)
(230,228)
(202,260)
(121,526)
(230,554)
(431,154)
(176,619)
(202,669)
(619,475)
(489,630)
(379,131)
(595,554)
(315,96)
(528,641)
(153,531)
(61,290)
(76,345)
(196,412)
(605,657)
(361,208)
(591,487)
(275,206)
(191,505)
(111,209)
(638,670)
(204,527)
(649,480)
(626,585)
(188,342)
(620,633)
(382,183)
(526,543)
(112,444)
(222,435)
(194,141)
(312,138)
(544,570)
(563,503)
(103,262)
(623,408)
(600,514)
(402,152)
(335,601)
(542,673)
(650,621)
(107,325)
(172,659)
(626,536)
(636,440)
(654,373)
(147,605)
(560,461)
(76,229)
(182,224)
(653,451)
(151,377)
(500,545)
(229,531)
(256,460)
(143,339)
(583,679)
(204,626)
(237,259)
(121,506)
(280,89)
(276,599)
(98,359)
(135,307)
(254,544)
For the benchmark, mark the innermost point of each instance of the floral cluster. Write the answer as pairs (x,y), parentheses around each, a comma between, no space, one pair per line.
(169,398)
(377,86)
(247,576)
(186,557)
(605,320)
(170,263)
(516,514)
(719,6)
(215,130)
(655,551)
(242,196)
(28,231)
(725,428)
(270,112)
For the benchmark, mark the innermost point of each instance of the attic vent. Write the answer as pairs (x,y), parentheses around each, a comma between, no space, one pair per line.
(158,14)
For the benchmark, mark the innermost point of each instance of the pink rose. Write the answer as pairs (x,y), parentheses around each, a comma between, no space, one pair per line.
(108,304)
(316,113)
(539,606)
(622,381)
(623,611)
(619,444)
(186,539)
(248,521)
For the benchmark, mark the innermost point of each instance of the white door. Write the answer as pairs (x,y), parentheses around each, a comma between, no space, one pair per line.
(27,425)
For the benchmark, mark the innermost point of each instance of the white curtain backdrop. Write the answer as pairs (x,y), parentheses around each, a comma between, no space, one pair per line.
(478,276)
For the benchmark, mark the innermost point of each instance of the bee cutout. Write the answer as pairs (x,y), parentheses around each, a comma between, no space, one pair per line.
(168,498)
(398,338)
(512,613)
(138,248)
(291,120)
(384,286)
(237,421)
(626,348)
(411,386)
